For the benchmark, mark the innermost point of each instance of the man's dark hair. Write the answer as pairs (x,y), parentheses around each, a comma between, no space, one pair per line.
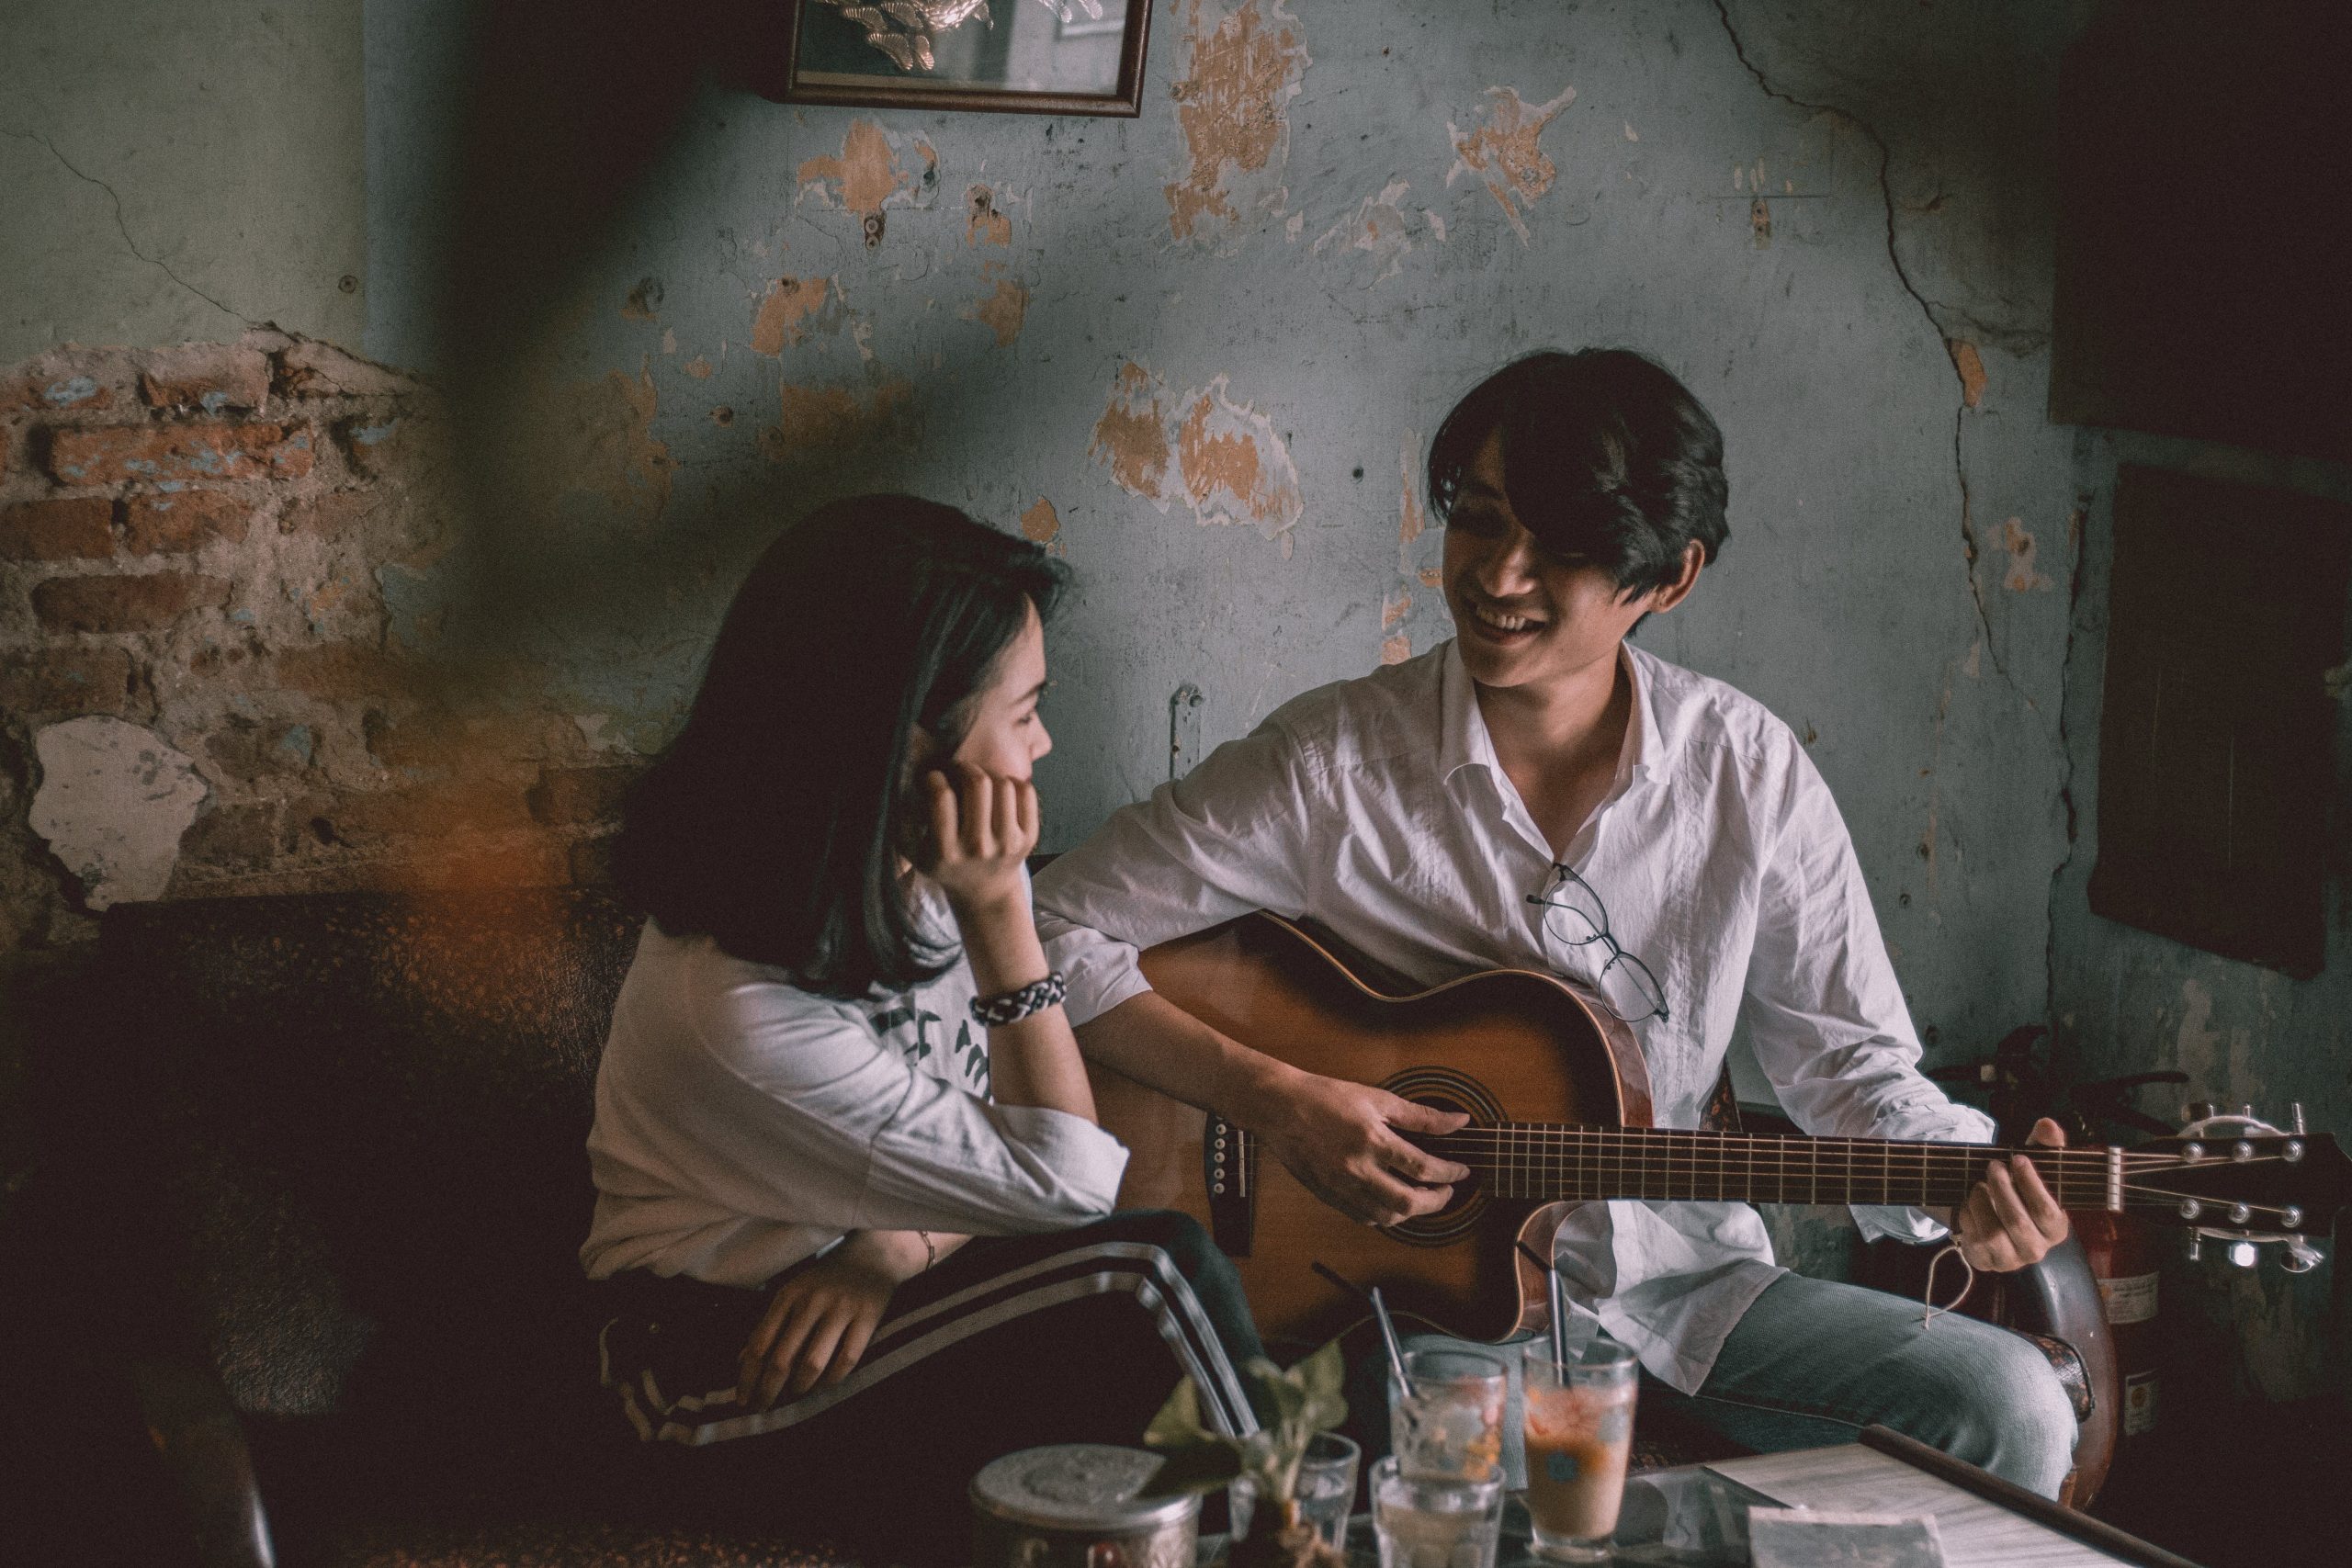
(1607,458)
(772,823)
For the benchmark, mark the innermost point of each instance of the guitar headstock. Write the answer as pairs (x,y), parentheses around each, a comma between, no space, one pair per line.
(2241,1181)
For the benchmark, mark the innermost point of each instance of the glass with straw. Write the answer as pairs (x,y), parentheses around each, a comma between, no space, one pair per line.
(1445,1419)
(1578,1425)
(1437,1499)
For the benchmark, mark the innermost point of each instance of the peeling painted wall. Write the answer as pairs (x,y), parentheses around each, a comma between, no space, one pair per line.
(1199,354)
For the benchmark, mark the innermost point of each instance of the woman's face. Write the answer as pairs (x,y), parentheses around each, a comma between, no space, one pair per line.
(1006,737)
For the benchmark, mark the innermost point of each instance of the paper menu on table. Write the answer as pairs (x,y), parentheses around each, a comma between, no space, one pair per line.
(1811,1538)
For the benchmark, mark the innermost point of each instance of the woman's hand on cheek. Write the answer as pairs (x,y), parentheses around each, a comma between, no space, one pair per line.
(982,829)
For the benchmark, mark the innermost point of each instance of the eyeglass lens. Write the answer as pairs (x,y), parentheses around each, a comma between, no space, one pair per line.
(1574,916)
(1629,987)
(1573,911)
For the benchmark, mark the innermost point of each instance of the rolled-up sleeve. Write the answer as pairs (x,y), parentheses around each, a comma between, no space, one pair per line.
(1229,837)
(1823,1005)
(869,1142)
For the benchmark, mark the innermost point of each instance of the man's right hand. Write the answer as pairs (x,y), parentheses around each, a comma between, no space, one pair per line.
(1343,1140)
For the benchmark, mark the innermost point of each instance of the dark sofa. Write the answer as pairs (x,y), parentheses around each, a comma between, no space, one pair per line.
(311,1175)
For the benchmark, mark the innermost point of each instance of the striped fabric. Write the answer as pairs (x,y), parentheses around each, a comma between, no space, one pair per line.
(672,1360)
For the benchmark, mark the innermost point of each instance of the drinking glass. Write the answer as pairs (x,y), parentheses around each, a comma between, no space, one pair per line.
(1448,1418)
(1432,1521)
(1580,1427)
(1327,1490)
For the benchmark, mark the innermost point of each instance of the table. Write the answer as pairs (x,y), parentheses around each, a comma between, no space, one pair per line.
(1696,1515)
(1853,1479)
(1683,1517)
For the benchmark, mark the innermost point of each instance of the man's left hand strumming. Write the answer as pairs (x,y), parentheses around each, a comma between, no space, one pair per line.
(2010,1220)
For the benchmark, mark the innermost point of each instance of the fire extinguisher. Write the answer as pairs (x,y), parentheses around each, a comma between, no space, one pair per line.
(2123,1260)
(2122,1252)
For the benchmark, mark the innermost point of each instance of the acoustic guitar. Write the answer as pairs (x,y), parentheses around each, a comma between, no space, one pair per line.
(1559,1106)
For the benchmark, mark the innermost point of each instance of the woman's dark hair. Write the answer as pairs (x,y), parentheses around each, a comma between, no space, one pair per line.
(771,823)
(1607,458)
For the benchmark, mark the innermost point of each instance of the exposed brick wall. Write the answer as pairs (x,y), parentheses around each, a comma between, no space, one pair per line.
(190,540)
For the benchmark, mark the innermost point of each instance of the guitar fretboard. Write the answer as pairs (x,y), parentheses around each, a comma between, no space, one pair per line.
(1548,1162)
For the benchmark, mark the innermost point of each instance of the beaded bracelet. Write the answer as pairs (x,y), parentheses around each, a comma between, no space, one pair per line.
(1013,1005)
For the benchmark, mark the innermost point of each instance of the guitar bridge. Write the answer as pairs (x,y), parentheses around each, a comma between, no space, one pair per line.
(1229,1165)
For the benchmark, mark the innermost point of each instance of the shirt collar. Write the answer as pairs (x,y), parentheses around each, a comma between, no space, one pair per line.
(1463,740)
(1644,741)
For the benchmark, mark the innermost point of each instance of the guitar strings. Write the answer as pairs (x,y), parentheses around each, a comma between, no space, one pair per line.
(1548,1156)
(1876,1155)
(1861,1164)
(1547,1133)
(1694,1133)
(1867,1159)
(1569,1156)
(1536,1136)
(1944,1190)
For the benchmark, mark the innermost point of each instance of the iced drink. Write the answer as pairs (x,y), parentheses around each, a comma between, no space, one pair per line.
(1579,1430)
(1448,1421)
(1435,1521)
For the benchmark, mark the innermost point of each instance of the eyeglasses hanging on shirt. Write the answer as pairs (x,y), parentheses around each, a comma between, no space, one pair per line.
(1574,916)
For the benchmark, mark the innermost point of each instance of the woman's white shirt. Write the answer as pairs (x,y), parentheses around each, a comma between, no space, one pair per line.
(743,1123)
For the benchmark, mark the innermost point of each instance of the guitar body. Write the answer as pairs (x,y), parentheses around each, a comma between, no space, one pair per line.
(1503,1045)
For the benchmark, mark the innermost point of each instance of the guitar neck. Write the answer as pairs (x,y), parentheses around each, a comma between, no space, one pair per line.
(1551,1162)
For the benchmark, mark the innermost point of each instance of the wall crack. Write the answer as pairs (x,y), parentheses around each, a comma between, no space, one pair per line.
(122,226)
(1927,310)
(2080,530)
(1968,543)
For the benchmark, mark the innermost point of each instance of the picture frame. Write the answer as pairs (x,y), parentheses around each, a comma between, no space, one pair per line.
(1061,57)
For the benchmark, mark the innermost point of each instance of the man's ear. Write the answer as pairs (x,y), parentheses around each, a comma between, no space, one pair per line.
(1664,598)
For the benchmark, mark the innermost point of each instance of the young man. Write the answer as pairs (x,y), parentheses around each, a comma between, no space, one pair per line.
(1414,812)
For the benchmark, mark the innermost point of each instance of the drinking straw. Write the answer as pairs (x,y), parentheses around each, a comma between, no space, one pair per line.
(1379,1312)
(1559,1294)
(1388,1338)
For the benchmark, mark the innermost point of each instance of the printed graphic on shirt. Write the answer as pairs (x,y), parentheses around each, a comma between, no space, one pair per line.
(911,1028)
(973,1055)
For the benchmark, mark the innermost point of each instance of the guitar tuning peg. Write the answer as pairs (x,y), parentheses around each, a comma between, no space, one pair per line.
(2196,1248)
(2242,1254)
(2247,1111)
(2197,1110)
(2295,1118)
(2301,1256)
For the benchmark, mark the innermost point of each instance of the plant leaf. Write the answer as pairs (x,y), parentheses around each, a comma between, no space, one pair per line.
(1283,1395)
(1201,1468)
(1177,1425)
(1323,1371)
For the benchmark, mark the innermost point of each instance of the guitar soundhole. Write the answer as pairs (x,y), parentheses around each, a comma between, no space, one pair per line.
(1442,1088)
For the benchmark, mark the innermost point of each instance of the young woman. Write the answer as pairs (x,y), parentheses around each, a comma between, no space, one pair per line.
(839,1056)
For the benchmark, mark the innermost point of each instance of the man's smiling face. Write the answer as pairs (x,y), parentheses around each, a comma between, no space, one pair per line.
(1526,616)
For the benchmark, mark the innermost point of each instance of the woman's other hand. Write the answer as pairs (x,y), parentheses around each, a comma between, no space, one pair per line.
(982,829)
(822,1318)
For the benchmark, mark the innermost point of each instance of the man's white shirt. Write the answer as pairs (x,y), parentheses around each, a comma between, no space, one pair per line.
(1378,808)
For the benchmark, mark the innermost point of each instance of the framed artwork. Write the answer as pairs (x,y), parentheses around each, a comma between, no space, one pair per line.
(1001,56)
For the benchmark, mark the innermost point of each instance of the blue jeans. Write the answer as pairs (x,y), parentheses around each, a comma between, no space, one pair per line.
(1814,1361)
